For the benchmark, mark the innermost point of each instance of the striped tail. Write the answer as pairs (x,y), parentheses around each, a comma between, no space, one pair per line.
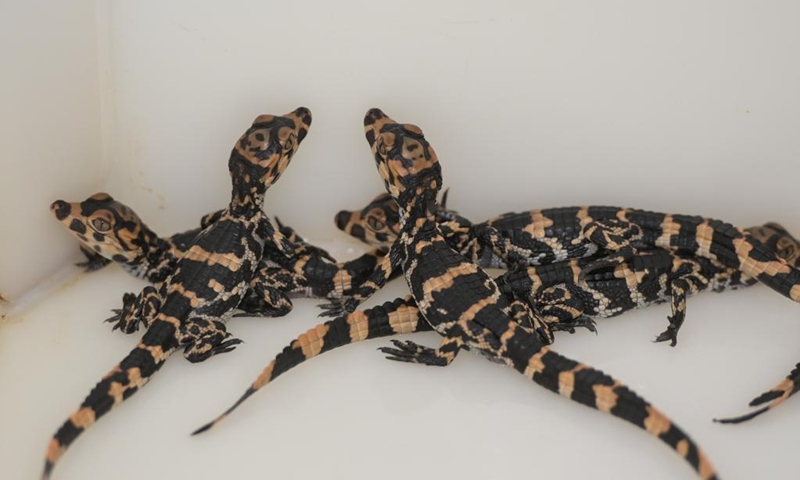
(391,318)
(595,389)
(125,379)
(774,397)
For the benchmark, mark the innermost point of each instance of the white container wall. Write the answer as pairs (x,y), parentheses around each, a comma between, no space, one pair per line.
(683,106)
(680,107)
(51,143)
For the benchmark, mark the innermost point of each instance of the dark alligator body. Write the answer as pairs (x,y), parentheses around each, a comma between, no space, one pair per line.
(208,281)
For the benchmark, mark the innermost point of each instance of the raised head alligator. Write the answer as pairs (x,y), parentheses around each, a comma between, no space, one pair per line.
(208,281)
(462,303)
(111,231)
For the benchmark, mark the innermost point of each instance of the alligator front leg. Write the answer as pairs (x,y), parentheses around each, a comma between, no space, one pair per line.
(412,352)
(680,288)
(281,242)
(205,338)
(294,237)
(266,296)
(94,261)
(136,310)
(211,218)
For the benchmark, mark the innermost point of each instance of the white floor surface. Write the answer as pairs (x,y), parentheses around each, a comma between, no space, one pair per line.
(351,414)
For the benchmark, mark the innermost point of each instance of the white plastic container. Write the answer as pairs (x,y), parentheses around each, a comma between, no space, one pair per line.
(680,107)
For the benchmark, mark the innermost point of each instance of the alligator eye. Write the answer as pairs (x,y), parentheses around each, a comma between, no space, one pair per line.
(375,224)
(381,146)
(787,252)
(289,142)
(101,225)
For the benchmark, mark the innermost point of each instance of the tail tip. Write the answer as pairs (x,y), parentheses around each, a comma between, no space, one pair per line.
(741,418)
(206,427)
(48,469)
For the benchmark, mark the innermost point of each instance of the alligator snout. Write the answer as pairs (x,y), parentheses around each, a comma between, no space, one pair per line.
(60,209)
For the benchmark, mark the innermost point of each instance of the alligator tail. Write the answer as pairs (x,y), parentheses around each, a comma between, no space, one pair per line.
(774,397)
(125,379)
(391,318)
(595,389)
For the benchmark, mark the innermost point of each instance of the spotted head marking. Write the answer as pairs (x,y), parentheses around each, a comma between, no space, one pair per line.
(406,161)
(777,239)
(264,151)
(377,224)
(106,226)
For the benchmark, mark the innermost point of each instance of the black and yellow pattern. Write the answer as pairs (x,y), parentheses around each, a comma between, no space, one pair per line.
(461,302)
(208,281)
(542,237)
(562,296)
(464,305)
(119,235)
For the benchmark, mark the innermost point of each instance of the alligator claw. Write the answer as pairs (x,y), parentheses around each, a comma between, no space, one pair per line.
(411,352)
(337,309)
(670,334)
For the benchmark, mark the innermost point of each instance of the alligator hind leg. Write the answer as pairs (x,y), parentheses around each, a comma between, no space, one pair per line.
(614,236)
(94,261)
(205,338)
(412,352)
(266,297)
(680,288)
(389,264)
(522,313)
(561,310)
(141,309)
(678,303)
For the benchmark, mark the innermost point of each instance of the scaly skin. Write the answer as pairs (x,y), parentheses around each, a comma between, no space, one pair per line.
(555,290)
(392,318)
(606,294)
(546,236)
(541,237)
(787,247)
(209,280)
(111,231)
(461,302)
(402,316)
(562,313)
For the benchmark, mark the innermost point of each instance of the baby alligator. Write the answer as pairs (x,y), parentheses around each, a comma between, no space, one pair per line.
(463,304)
(380,222)
(554,290)
(111,231)
(208,281)
(546,236)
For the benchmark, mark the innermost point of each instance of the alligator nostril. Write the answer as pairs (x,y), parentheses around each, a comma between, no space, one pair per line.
(342,218)
(372,115)
(60,209)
